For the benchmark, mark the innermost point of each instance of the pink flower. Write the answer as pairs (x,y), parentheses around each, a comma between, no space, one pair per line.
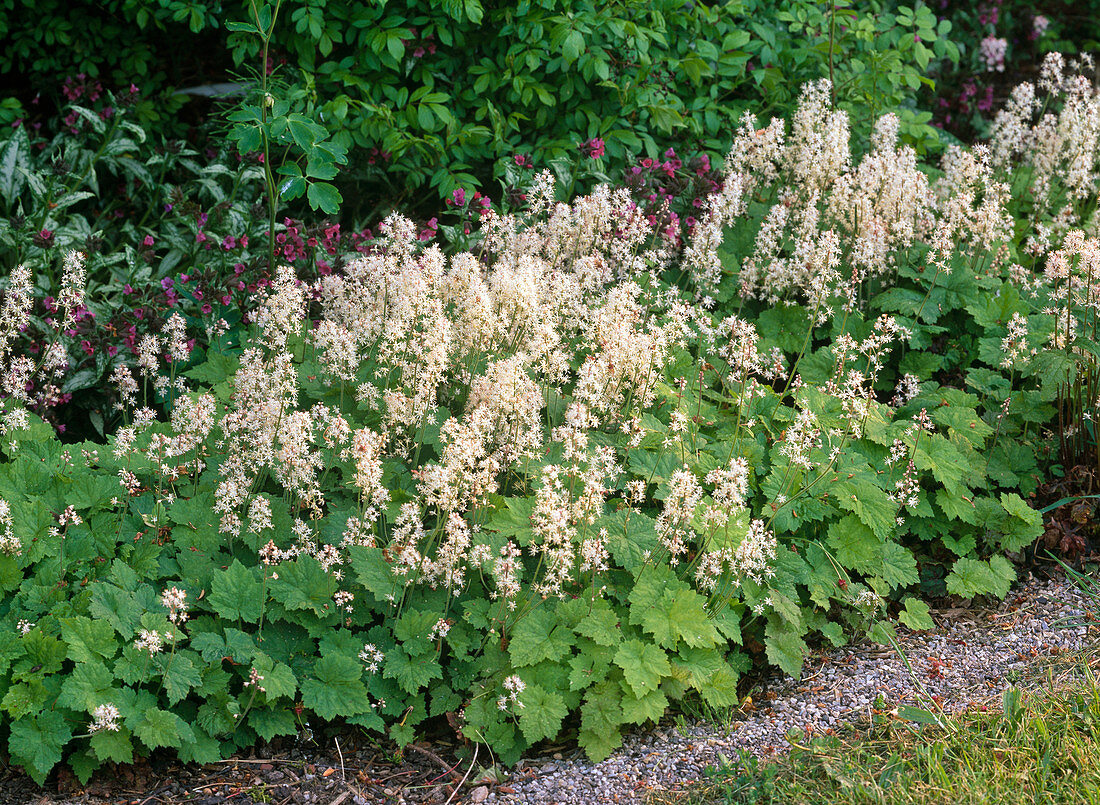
(429,230)
(986,103)
(993,50)
(148,241)
(593,148)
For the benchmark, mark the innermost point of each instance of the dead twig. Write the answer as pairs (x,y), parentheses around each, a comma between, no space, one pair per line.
(153,794)
(463,780)
(343,776)
(433,756)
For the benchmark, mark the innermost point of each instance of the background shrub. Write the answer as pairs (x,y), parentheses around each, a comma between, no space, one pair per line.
(428,94)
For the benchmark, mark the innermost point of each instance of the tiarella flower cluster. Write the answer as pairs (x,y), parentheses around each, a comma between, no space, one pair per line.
(10,544)
(513,687)
(105,718)
(175,601)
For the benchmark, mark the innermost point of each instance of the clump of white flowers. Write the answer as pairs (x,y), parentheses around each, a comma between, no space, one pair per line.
(175,601)
(513,687)
(371,657)
(149,641)
(675,520)
(105,719)
(10,544)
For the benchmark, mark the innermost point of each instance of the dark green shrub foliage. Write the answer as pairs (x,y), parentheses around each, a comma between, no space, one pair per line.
(438,93)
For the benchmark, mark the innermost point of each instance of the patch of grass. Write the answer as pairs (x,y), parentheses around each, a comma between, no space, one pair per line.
(1028,748)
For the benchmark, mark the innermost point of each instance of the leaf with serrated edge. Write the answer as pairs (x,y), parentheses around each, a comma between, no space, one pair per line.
(538,636)
(542,713)
(236,594)
(916,615)
(643,665)
(679,615)
(784,647)
(601,716)
(601,625)
(649,707)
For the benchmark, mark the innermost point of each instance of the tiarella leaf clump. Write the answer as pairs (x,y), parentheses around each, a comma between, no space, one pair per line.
(536,479)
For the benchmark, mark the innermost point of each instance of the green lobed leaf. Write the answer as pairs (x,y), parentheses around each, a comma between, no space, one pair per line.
(272,721)
(784,646)
(538,636)
(413,628)
(680,615)
(324,197)
(335,687)
(36,743)
(643,665)
(899,567)
(304,585)
(542,713)
(180,675)
(374,572)
(601,716)
(114,746)
(158,728)
(278,680)
(854,545)
(648,707)
(971,577)
(601,624)
(916,615)
(1023,526)
(86,686)
(236,593)
(89,639)
(869,503)
(411,673)
(513,520)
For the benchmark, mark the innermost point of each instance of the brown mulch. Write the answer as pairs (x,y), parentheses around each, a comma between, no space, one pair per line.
(348,769)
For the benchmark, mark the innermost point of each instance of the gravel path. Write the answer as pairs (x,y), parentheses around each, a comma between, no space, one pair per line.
(971,656)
